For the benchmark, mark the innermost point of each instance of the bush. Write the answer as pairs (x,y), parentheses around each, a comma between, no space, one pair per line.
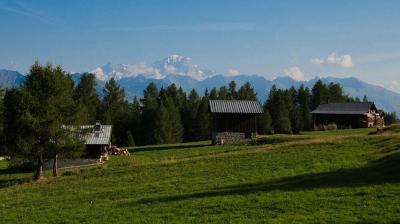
(264,124)
(129,139)
(390,118)
(284,126)
(19,164)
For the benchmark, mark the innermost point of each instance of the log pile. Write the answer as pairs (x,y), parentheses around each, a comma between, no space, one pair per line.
(114,150)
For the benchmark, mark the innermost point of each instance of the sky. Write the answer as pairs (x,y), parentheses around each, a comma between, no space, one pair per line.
(303,39)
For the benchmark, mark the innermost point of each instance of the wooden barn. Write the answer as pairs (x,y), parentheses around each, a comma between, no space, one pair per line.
(97,139)
(233,120)
(347,115)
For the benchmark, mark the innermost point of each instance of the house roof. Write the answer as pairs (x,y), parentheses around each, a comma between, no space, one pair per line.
(101,137)
(344,108)
(235,106)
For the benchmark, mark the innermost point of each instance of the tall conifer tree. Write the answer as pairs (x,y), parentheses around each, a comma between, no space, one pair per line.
(86,95)
(35,116)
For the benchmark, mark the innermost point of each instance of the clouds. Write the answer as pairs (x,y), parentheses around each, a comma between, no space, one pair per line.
(395,86)
(233,72)
(144,69)
(344,61)
(27,10)
(295,73)
(119,71)
(191,27)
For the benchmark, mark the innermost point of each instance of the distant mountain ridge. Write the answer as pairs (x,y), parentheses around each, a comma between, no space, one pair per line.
(184,73)
(9,78)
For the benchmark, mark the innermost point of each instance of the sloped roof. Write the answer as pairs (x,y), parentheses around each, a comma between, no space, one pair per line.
(235,106)
(344,108)
(102,137)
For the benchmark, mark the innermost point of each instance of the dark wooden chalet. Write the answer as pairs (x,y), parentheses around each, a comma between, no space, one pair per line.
(233,120)
(347,115)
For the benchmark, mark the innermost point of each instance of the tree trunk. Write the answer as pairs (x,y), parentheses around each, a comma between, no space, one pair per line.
(39,169)
(55,165)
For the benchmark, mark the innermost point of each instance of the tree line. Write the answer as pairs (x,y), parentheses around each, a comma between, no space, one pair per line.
(37,116)
(288,110)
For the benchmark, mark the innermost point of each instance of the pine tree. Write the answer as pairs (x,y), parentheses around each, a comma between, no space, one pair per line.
(335,93)
(115,110)
(2,140)
(190,115)
(213,94)
(135,118)
(290,98)
(365,99)
(303,98)
(86,96)
(172,92)
(246,92)
(35,115)
(223,93)
(319,94)
(294,109)
(264,123)
(181,102)
(162,94)
(114,99)
(162,131)
(278,110)
(295,120)
(174,120)
(203,119)
(168,123)
(232,95)
(150,107)
(129,139)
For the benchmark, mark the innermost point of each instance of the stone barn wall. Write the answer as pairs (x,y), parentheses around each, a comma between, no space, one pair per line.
(219,138)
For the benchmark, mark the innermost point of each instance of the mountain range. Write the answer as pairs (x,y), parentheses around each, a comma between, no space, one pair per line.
(183,72)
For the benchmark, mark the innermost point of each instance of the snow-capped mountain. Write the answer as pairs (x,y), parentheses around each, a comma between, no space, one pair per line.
(120,71)
(181,65)
(172,65)
(184,73)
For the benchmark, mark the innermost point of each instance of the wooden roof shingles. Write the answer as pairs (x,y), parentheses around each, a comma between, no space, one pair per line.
(101,137)
(235,106)
(344,108)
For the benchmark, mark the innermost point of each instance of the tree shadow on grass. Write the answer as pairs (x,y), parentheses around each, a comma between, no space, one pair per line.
(6,181)
(14,181)
(159,148)
(386,144)
(382,171)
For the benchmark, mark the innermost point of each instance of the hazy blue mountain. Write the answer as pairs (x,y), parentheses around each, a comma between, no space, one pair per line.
(383,98)
(10,78)
(134,85)
(260,84)
(285,82)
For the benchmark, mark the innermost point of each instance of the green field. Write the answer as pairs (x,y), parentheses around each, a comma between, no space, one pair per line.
(336,176)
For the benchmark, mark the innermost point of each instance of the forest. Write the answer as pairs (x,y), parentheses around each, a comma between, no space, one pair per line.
(170,115)
(33,115)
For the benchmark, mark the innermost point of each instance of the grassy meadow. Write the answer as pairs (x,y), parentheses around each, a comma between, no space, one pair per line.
(338,176)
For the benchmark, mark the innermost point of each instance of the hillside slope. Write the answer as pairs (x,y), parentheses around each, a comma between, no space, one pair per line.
(338,176)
